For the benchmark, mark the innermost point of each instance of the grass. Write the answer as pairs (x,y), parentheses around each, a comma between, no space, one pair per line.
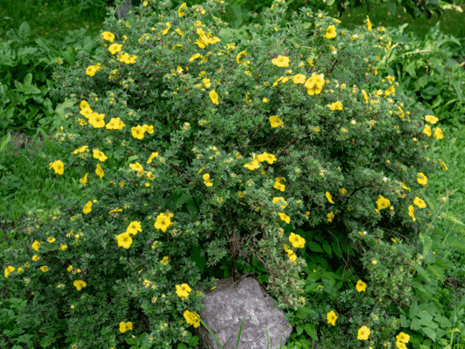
(52,19)
(28,188)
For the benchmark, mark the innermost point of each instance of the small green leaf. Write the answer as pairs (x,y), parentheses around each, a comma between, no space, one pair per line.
(314,246)
(311,331)
(327,248)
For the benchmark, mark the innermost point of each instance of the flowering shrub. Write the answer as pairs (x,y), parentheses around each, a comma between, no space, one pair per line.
(185,137)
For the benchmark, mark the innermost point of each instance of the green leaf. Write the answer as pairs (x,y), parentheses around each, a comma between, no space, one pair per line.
(336,249)
(436,271)
(314,246)
(410,68)
(327,248)
(422,272)
(430,333)
(182,346)
(27,79)
(24,32)
(193,341)
(302,313)
(196,257)
(70,55)
(191,206)
(457,244)
(130,341)
(311,330)
(300,329)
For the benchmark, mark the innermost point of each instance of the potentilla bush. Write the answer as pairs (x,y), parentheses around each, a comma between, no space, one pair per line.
(186,134)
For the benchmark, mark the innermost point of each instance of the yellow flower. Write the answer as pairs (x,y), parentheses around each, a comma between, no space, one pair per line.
(91,70)
(419,202)
(136,167)
(444,166)
(99,171)
(134,227)
(44,268)
(164,261)
(214,97)
(369,25)
(8,270)
(278,185)
(79,284)
(401,345)
(297,241)
(275,121)
(107,36)
(99,155)
(343,191)
(165,31)
(183,290)
(383,203)
(331,317)
(123,327)
(284,217)
(329,197)
(97,120)
(163,222)
(336,106)
(252,165)
(36,245)
(138,132)
(269,158)
(281,61)
(438,133)
(58,166)
(431,119)
(35,258)
(427,130)
(151,157)
(299,79)
(330,32)
(192,318)
(361,286)
(145,3)
(280,199)
(180,10)
(63,247)
(314,84)
(365,95)
(265,100)
(194,57)
(87,208)
(411,211)
(403,337)
(83,180)
(421,178)
(374,262)
(239,55)
(115,48)
(80,149)
(363,333)
(50,239)
(124,240)
(330,216)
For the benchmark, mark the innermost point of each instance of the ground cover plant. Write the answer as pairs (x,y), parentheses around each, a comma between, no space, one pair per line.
(320,232)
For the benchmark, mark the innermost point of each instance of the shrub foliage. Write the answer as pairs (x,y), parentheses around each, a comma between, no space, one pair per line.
(187,134)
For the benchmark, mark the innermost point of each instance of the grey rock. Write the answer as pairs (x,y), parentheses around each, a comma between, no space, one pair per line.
(124,9)
(228,303)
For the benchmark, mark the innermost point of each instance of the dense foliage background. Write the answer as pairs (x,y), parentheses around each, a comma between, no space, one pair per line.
(427,59)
